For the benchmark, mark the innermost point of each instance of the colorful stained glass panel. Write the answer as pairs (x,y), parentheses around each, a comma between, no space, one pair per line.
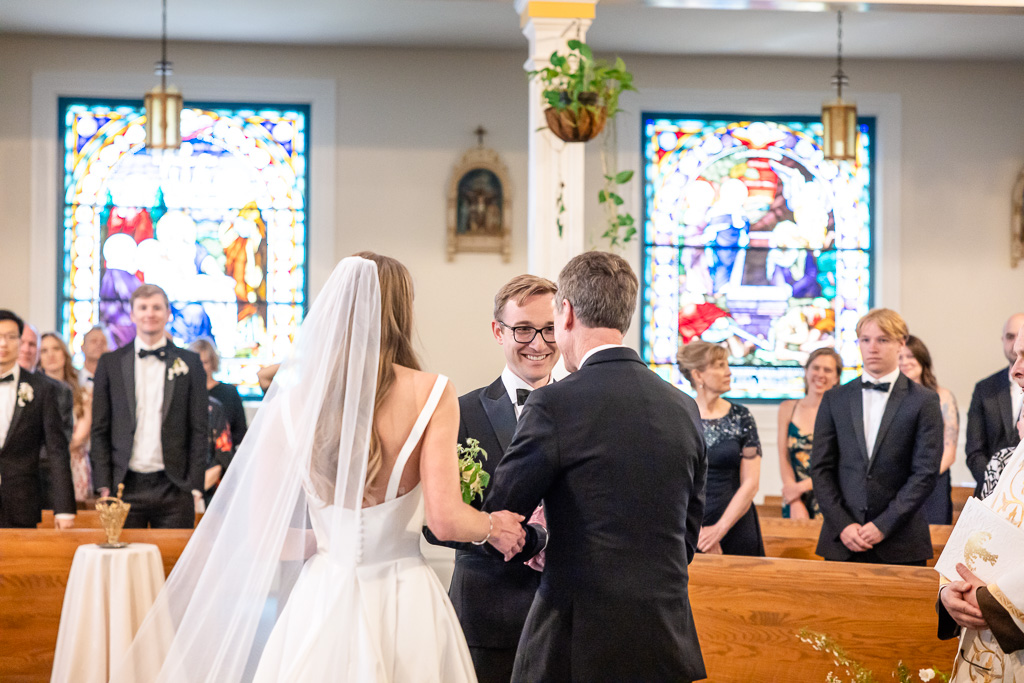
(753,240)
(220,224)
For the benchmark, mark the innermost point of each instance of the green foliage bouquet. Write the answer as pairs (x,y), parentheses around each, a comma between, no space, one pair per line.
(471,470)
(857,672)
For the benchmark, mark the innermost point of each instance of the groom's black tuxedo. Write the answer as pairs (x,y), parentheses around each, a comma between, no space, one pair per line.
(33,425)
(184,427)
(492,597)
(617,456)
(890,487)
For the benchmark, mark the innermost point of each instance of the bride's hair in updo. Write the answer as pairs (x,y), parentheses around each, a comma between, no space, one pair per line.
(698,355)
(395,339)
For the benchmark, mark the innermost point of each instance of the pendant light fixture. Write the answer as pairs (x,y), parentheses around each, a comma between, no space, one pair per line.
(163,104)
(839,117)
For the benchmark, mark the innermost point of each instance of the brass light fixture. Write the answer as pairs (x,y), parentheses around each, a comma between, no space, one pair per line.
(839,117)
(163,104)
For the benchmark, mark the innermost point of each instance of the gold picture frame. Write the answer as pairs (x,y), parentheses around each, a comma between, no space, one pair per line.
(480,205)
(1017,226)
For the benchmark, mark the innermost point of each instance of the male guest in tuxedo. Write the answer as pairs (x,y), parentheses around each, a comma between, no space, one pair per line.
(617,456)
(876,455)
(492,597)
(28,352)
(149,420)
(29,420)
(995,407)
(94,345)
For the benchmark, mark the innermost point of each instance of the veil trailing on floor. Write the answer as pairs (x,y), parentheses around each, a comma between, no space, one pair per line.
(307,446)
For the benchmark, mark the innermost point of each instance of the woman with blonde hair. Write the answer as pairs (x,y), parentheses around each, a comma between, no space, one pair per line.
(352,451)
(796,433)
(734,455)
(55,361)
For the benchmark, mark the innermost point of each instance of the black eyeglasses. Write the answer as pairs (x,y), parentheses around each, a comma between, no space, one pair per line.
(524,334)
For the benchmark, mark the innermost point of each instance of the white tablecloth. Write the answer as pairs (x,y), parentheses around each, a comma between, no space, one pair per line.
(108,594)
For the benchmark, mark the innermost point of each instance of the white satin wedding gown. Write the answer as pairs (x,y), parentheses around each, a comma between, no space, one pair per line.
(369,610)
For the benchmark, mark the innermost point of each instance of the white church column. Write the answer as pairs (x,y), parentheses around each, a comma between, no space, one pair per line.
(556,167)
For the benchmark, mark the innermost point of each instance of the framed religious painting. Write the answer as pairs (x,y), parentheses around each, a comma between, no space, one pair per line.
(480,205)
(1017,227)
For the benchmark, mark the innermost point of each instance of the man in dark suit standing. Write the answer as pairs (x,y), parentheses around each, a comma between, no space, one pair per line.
(492,597)
(876,455)
(30,419)
(149,421)
(995,407)
(617,456)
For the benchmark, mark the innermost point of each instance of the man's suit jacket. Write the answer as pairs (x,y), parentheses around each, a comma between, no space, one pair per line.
(617,455)
(34,425)
(890,487)
(492,597)
(185,426)
(990,425)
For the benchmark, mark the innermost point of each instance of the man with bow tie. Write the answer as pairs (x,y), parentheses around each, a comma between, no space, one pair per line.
(30,418)
(492,597)
(876,455)
(149,424)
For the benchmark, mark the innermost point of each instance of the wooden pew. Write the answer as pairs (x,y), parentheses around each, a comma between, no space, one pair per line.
(749,610)
(960,495)
(798,538)
(85,519)
(34,567)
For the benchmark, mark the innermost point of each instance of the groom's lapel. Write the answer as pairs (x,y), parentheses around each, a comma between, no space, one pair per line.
(128,377)
(500,412)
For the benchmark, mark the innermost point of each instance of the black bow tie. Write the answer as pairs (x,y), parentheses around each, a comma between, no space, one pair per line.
(522,395)
(880,386)
(160,353)
(7,378)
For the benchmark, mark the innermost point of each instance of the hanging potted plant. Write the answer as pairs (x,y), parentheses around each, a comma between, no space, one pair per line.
(581,92)
(582,95)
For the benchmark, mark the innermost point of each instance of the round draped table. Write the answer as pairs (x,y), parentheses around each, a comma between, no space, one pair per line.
(108,594)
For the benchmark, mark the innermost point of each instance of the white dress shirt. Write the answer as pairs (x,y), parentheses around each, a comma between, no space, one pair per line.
(1016,400)
(8,397)
(512,382)
(85,378)
(874,406)
(150,374)
(594,350)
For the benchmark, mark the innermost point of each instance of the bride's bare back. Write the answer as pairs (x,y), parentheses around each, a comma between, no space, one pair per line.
(394,421)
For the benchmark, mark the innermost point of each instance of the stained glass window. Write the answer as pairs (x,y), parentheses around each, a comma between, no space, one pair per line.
(752,240)
(220,224)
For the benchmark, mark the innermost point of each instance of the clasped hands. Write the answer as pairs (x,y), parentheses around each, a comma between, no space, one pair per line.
(507,533)
(960,598)
(861,537)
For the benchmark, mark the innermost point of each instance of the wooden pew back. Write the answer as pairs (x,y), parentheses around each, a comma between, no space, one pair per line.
(34,567)
(748,612)
(798,538)
(85,519)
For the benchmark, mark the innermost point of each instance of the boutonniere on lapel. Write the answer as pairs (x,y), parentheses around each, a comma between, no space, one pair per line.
(178,367)
(25,394)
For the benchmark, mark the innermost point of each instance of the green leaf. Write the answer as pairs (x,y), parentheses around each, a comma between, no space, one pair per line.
(628,236)
(585,50)
(615,198)
(623,177)
(602,197)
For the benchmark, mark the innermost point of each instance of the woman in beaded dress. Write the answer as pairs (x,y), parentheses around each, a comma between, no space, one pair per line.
(734,455)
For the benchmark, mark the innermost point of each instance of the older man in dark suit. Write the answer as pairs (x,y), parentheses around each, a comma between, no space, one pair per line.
(150,422)
(30,418)
(493,597)
(876,455)
(617,456)
(995,407)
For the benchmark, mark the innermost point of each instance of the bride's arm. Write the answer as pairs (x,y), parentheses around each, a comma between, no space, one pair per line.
(447,516)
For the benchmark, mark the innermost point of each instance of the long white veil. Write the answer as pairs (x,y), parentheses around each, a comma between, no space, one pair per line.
(307,446)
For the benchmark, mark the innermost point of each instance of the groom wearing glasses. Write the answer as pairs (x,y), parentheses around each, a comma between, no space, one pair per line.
(492,597)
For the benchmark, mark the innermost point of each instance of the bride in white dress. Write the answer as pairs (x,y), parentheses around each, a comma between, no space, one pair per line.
(307,565)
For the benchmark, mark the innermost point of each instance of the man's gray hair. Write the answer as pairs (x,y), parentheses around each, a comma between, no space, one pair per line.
(601,288)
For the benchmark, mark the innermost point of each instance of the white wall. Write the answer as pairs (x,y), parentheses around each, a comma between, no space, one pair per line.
(402,118)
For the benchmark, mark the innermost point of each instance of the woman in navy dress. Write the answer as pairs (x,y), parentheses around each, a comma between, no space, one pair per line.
(734,455)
